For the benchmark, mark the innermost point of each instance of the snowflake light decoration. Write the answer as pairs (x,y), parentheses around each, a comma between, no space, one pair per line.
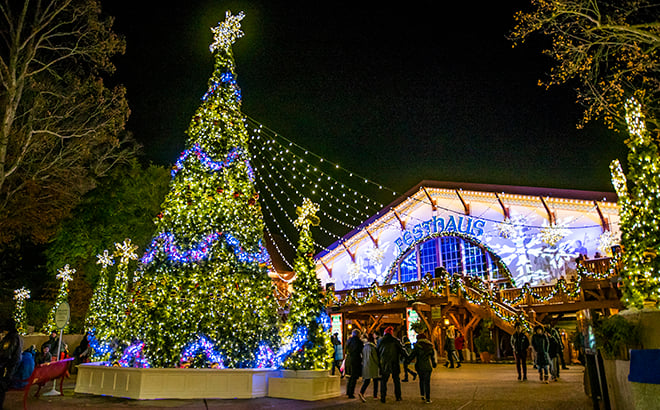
(21,294)
(65,274)
(506,229)
(307,214)
(353,270)
(126,251)
(605,242)
(105,259)
(376,256)
(227,32)
(552,234)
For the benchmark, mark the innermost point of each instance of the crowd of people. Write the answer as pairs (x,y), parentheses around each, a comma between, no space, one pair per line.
(16,364)
(377,358)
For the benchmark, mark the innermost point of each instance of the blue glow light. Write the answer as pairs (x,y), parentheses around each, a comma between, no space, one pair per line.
(204,345)
(324,320)
(205,159)
(134,353)
(244,256)
(226,78)
(100,348)
(174,253)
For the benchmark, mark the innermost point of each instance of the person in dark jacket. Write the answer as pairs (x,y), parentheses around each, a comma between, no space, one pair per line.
(424,352)
(520,344)
(408,346)
(353,362)
(390,351)
(370,367)
(10,355)
(541,345)
(553,351)
(53,343)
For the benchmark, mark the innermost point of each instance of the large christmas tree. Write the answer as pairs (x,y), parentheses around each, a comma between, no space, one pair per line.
(203,297)
(639,200)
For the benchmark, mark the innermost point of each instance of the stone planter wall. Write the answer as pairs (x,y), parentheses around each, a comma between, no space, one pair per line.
(309,385)
(173,383)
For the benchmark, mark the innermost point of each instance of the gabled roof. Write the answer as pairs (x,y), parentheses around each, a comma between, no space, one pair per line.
(467,186)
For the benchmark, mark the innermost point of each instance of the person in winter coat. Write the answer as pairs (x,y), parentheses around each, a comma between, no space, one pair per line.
(353,362)
(338,354)
(459,343)
(450,348)
(370,367)
(10,355)
(541,344)
(390,351)
(553,351)
(424,352)
(24,369)
(53,343)
(408,346)
(520,344)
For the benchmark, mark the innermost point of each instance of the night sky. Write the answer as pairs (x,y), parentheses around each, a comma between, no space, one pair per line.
(397,93)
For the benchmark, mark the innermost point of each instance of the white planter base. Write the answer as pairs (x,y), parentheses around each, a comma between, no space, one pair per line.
(309,385)
(173,383)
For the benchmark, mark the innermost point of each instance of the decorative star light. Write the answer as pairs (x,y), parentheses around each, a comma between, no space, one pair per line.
(126,251)
(506,229)
(353,270)
(65,274)
(21,294)
(105,259)
(227,32)
(552,234)
(376,256)
(307,214)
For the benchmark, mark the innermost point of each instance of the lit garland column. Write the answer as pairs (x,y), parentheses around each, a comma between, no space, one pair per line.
(204,274)
(97,319)
(118,294)
(65,275)
(20,317)
(306,303)
(639,202)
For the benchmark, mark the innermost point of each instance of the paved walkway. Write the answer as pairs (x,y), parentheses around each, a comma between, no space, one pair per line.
(473,386)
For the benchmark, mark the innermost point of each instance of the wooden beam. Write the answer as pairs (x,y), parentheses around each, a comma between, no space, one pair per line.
(552,217)
(376,323)
(352,255)
(604,222)
(372,238)
(401,222)
(466,206)
(433,204)
(505,209)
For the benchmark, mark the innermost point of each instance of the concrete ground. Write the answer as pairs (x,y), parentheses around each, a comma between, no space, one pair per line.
(473,386)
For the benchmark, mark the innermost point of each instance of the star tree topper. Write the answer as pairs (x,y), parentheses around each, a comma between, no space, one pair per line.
(105,259)
(227,32)
(126,251)
(65,274)
(307,214)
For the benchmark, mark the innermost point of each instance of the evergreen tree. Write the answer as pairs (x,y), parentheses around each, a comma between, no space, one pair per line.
(65,275)
(204,275)
(306,304)
(639,200)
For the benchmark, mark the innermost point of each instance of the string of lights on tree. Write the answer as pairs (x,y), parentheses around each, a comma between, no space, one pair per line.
(20,317)
(639,201)
(65,275)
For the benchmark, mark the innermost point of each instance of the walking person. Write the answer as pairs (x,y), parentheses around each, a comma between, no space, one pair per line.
(459,343)
(408,346)
(338,354)
(541,344)
(553,352)
(520,344)
(390,351)
(353,362)
(424,353)
(370,367)
(450,347)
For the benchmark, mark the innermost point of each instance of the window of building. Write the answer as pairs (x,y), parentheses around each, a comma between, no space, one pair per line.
(409,267)
(450,250)
(428,256)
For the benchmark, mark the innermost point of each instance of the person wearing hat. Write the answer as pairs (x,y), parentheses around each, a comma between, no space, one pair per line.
(391,353)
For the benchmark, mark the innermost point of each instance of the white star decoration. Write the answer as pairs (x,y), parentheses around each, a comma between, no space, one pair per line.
(21,294)
(105,260)
(65,274)
(126,251)
(227,32)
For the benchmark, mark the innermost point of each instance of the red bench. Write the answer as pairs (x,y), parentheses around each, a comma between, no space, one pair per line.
(44,373)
